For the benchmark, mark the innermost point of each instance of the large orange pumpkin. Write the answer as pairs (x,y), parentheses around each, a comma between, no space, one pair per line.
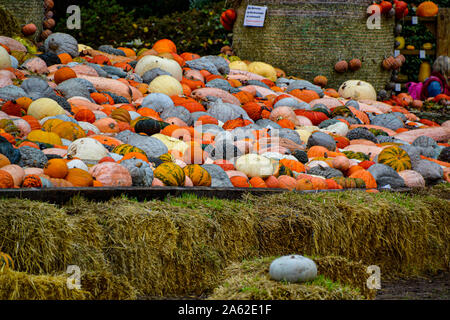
(165,45)
(367,177)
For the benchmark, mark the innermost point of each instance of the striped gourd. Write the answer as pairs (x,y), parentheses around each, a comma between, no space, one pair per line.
(198,175)
(170,174)
(346,183)
(124,149)
(167,157)
(356,155)
(5,261)
(283,171)
(396,158)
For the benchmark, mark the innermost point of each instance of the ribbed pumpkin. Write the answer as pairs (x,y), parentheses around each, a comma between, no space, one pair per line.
(396,158)
(124,149)
(50,124)
(63,74)
(427,9)
(287,182)
(272,182)
(121,114)
(6,180)
(79,178)
(4,161)
(69,131)
(56,168)
(239,182)
(85,115)
(294,165)
(367,177)
(44,137)
(198,175)
(6,262)
(304,184)
(107,125)
(33,122)
(257,182)
(111,174)
(170,174)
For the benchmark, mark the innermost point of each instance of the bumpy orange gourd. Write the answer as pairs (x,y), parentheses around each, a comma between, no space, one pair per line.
(427,9)
(63,74)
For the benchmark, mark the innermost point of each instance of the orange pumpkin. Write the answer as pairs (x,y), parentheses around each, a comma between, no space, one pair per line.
(244,97)
(304,184)
(165,45)
(56,168)
(367,177)
(107,125)
(272,182)
(305,95)
(4,161)
(85,115)
(294,165)
(63,74)
(257,182)
(65,58)
(427,9)
(287,182)
(79,178)
(102,98)
(6,180)
(240,182)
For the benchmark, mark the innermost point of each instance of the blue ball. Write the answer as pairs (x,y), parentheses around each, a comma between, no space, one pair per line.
(434,88)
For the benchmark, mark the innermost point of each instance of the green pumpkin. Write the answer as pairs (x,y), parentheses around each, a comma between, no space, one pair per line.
(170,174)
(124,149)
(342,111)
(356,155)
(149,126)
(323,110)
(346,183)
(198,175)
(284,171)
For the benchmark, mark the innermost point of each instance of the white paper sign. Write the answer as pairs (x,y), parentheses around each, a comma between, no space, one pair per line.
(255,16)
(415,20)
(422,54)
(398,87)
(396,53)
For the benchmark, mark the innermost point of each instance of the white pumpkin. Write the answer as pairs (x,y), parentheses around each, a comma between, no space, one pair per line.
(86,126)
(5,60)
(293,268)
(87,149)
(167,85)
(263,69)
(238,65)
(357,90)
(304,134)
(339,128)
(151,62)
(172,143)
(254,165)
(77,164)
(45,107)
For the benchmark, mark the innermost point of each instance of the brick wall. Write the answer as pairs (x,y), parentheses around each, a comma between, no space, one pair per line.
(307,37)
(26,11)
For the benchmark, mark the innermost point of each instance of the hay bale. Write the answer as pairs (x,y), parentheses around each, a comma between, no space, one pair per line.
(9,26)
(307,38)
(22,286)
(106,286)
(399,233)
(250,280)
(24,12)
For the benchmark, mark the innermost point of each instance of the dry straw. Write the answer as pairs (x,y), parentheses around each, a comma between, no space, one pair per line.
(180,246)
(250,280)
(306,38)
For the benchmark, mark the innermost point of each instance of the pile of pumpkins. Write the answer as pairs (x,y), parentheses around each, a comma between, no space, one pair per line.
(73,116)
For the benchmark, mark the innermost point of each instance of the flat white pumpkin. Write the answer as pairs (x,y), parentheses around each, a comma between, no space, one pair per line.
(254,165)
(167,85)
(151,62)
(87,149)
(357,90)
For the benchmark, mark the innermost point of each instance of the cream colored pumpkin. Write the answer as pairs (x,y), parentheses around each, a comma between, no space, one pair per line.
(150,62)
(87,149)
(172,143)
(167,85)
(263,69)
(5,60)
(254,165)
(304,134)
(238,65)
(339,128)
(77,164)
(357,90)
(45,107)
